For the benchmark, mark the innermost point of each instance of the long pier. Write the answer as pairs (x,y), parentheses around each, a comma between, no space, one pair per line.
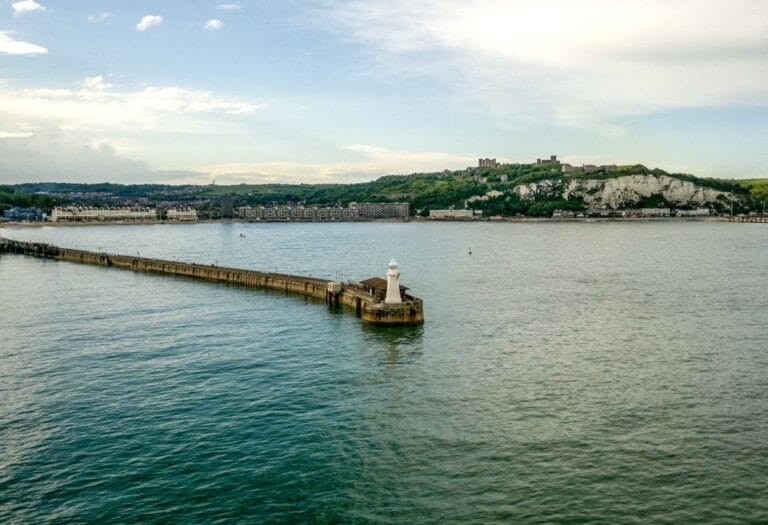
(366,302)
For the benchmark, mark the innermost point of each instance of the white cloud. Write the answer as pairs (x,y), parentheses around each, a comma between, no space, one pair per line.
(15,134)
(149,21)
(10,46)
(100,17)
(95,103)
(229,7)
(95,83)
(366,162)
(390,161)
(214,24)
(26,6)
(579,63)
(84,131)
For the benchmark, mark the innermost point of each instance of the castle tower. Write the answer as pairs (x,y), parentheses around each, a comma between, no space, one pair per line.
(393,284)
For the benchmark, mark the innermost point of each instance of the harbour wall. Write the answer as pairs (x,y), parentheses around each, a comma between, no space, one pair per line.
(347,294)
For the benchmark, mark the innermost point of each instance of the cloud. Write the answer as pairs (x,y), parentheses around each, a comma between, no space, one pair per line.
(100,17)
(97,125)
(95,83)
(364,162)
(26,6)
(57,155)
(15,134)
(10,46)
(149,21)
(214,24)
(581,64)
(93,102)
(229,7)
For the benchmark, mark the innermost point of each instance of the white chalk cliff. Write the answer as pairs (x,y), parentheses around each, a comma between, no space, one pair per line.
(624,191)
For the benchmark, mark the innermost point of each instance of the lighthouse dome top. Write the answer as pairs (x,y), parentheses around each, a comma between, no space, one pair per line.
(393,264)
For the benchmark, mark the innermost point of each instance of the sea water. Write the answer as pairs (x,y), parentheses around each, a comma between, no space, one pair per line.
(591,371)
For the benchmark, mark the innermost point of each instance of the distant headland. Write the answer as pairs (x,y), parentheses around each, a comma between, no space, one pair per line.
(490,190)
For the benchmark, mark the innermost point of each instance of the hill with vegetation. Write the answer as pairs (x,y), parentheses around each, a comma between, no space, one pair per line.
(13,196)
(427,191)
(529,189)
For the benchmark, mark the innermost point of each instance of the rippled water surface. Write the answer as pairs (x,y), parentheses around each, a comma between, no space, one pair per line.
(612,372)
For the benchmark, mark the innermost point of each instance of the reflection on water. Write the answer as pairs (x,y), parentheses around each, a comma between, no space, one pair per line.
(398,341)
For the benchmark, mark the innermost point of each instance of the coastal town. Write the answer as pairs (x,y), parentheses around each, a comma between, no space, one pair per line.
(490,191)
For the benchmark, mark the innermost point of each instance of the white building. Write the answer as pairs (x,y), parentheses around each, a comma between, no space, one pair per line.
(451,214)
(655,212)
(698,212)
(73,213)
(187,214)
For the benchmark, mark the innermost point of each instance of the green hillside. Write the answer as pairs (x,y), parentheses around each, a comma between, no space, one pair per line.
(758,188)
(424,191)
(427,191)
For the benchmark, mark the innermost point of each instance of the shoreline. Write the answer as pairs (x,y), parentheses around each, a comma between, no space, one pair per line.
(412,219)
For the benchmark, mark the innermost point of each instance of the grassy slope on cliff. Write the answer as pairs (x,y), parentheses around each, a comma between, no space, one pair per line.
(758,188)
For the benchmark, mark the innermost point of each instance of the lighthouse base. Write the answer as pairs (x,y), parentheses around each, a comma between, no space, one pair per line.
(407,313)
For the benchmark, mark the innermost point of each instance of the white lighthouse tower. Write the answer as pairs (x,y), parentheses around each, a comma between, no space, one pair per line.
(393,284)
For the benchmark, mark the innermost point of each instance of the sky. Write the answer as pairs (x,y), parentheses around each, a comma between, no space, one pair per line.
(262,91)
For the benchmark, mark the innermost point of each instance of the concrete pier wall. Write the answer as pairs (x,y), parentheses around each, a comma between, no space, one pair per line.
(347,295)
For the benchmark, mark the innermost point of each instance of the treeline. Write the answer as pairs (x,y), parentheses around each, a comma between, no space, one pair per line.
(11,197)
(758,188)
(119,190)
(420,190)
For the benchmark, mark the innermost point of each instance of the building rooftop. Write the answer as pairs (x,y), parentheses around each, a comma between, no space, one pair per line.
(377,283)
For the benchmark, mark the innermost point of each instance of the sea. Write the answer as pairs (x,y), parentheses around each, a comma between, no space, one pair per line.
(567,372)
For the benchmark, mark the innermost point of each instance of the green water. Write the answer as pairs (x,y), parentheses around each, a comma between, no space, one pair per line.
(588,372)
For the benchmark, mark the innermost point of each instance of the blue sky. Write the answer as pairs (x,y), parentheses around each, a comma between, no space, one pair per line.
(341,91)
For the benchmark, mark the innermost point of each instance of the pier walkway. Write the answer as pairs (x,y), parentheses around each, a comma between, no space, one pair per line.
(354,295)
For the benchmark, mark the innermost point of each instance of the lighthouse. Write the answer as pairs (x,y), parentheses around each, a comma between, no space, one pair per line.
(393,284)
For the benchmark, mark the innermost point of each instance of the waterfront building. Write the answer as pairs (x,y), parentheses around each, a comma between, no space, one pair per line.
(187,214)
(698,212)
(298,213)
(596,211)
(355,211)
(655,212)
(23,214)
(451,214)
(75,213)
(382,210)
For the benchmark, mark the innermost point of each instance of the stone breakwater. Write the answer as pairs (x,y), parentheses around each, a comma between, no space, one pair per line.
(369,307)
